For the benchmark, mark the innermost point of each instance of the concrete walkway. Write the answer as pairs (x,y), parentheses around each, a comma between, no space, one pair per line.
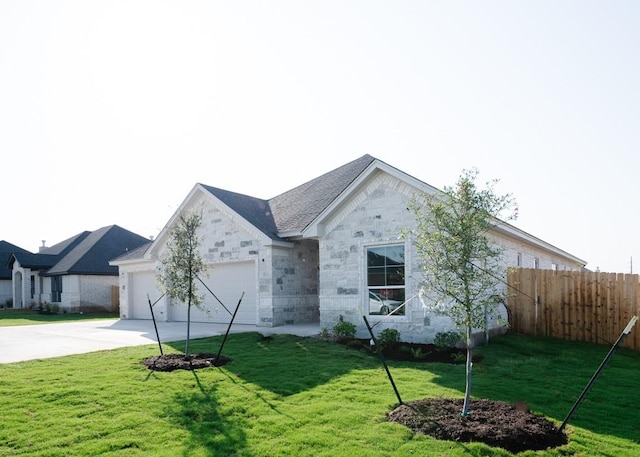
(29,342)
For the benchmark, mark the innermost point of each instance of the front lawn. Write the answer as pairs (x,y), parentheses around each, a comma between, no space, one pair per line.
(11,317)
(291,396)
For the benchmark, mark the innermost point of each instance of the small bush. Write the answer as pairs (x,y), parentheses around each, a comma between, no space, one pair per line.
(344,330)
(444,340)
(325,334)
(388,338)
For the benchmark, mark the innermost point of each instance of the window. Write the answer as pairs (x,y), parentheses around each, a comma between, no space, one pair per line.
(519,259)
(385,279)
(554,266)
(536,263)
(56,289)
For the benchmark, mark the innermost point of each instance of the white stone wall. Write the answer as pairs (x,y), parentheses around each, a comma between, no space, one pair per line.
(528,254)
(294,284)
(87,292)
(6,292)
(376,217)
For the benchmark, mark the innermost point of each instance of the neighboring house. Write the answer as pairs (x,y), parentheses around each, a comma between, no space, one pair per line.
(75,274)
(328,248)
(6,290)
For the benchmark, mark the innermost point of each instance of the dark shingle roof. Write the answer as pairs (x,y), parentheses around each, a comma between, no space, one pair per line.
(254,210)
(6,250)
(47,257)
(295,209)
(91,256)
(136,253)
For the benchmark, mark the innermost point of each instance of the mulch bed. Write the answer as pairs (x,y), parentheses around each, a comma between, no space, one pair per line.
(413,352)
(495,423)
(171,362)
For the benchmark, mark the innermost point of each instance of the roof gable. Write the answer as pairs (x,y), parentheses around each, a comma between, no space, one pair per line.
(254,210)
(6,251)
(294,210)
(47,257)
(92,255)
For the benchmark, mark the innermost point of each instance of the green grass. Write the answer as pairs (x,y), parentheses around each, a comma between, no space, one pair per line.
(13,317)
(291,396)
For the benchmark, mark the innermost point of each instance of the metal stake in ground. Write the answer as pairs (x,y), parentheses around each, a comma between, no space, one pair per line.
(229,327)
(153,317)
(624,333)
(384,362)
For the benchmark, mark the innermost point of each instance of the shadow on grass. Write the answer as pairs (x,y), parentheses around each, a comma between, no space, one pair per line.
(198,412)
(282,364)
(549,375)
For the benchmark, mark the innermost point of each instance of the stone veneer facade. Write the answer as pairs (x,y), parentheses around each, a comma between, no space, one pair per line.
(376,217)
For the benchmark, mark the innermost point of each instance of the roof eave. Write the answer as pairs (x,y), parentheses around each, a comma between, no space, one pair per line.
(508,229)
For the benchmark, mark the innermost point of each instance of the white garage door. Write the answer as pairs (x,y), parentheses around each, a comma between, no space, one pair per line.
(227,282)
(142,283)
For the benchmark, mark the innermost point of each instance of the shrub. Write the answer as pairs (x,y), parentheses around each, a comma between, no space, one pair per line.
(388,338)
(325,334)
(445,340)
(344,330)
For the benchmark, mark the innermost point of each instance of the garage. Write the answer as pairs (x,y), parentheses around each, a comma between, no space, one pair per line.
(227,281)
(141,284)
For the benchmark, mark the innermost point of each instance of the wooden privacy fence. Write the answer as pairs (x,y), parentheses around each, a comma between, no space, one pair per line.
(574,305)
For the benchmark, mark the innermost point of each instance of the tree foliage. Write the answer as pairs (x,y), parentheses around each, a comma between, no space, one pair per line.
(182,264)
(461,265)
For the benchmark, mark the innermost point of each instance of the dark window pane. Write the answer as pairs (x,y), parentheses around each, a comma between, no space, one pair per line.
(395,276)
(376,277)
(376,257)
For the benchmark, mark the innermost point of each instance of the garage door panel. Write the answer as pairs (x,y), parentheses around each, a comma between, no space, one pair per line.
(227,282)
(143,283)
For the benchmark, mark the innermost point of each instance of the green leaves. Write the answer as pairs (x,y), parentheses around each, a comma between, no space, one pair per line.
(183,262)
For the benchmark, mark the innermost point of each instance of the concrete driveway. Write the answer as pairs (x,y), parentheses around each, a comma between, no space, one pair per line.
(29,342)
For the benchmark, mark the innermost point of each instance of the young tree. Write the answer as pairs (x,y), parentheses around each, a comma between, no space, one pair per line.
(181,266)
(460,264)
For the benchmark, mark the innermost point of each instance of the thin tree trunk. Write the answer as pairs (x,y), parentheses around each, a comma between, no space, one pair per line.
(186,347)
(467,390)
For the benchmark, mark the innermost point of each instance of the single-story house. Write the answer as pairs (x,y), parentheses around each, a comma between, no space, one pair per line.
(6,288)
(73,275)
(330,247)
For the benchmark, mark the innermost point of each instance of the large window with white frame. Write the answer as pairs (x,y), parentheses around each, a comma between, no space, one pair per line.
(386,279)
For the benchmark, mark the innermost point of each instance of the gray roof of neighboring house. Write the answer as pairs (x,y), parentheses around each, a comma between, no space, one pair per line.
(6,249)
(47,257)
(294,210)
(87,253)
(136,253)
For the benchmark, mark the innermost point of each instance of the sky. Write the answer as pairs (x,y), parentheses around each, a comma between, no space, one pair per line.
(111,111)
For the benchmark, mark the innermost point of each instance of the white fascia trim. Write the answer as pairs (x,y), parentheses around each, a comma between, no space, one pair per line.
(125,263)
(517,233)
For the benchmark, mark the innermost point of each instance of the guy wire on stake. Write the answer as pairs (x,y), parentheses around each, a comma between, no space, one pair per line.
(153,318)
(379,352)
(584,393)
(214,295)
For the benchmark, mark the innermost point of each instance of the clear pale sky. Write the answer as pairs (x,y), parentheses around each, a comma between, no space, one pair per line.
(111,111)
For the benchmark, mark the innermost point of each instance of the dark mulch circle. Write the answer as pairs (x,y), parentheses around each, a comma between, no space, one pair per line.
(495,423)
(171,362)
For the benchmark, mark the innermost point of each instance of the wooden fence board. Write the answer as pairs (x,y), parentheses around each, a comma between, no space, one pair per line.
(585,306)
